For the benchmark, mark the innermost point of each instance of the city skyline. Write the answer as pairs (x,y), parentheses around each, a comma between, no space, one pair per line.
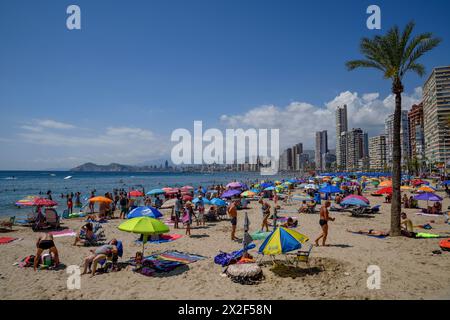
(114,90)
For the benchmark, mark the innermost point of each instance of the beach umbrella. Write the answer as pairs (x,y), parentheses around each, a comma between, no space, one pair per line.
(428,196)
(145,226)
(248,193)
(230,193)
(100,199)
(168,189)
(212,191)
(187,197)
(418,182)
(27,201)
(203,191)
(375,183)
(234,185)
(187,188)
(349,201)
(282,240)
(255,190)
(355,196)
(144,211)
(386,190)
(155,192)
(446,182)
(426,189)
(44,202)
(385,183)
(136,193)
(266,185)
(218,202)
(205,201)
(269,188)
(330,189)
(311,186)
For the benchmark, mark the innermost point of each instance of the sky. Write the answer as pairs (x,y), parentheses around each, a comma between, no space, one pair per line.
(137,70)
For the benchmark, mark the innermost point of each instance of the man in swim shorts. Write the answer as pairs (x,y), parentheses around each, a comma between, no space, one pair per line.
(232,212)
(323,222)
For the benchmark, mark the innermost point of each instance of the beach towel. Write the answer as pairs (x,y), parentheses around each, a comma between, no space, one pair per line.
(182,257)
(429,214)
(428,235)
(5,240)
(63,233)
(369,235)
(258,235)
(163,238)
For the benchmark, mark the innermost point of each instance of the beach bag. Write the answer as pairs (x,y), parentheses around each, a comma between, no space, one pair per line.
(247,274)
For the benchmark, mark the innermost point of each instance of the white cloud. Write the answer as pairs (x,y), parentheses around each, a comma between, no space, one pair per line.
(52,124)
(299,121)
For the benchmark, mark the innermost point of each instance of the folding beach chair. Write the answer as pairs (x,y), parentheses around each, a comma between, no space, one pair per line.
(301,255)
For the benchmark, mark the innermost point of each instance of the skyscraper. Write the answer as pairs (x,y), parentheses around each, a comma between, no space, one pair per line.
(321,149)
(341,126)
(416,131)
(297,150)
(436,114)
(377,152)
(355,149)
(404,137)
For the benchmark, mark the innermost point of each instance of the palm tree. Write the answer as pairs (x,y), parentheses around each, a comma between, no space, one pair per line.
(395,54)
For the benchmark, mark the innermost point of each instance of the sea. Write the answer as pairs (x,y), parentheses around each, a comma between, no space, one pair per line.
(16,185)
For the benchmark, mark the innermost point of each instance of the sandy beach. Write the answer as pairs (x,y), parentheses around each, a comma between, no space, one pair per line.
(409,269)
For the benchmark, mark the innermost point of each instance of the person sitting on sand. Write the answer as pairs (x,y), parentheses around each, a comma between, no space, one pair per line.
(290,223)
(370,232)
(303,208)
(388,198)
(45,242)
(101,253)
(405,201)
(88,234)
(407,227)
(138,258)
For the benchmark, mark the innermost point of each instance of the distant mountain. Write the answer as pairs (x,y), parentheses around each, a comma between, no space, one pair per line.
(112,167)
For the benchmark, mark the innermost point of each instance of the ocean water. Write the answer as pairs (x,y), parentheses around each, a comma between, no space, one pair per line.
(15,185)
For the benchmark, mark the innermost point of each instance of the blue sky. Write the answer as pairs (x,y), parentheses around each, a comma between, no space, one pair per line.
(154,66)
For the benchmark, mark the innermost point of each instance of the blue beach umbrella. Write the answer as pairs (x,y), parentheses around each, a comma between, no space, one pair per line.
(354,202)
(155,192)
(218,202)
(144,211)
(205,201)
(330,189)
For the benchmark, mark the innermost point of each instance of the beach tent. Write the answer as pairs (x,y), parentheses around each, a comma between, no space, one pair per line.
(282,240)
(144,211)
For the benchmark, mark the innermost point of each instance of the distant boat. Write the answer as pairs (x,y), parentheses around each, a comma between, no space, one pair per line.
(11,178)
(68,177)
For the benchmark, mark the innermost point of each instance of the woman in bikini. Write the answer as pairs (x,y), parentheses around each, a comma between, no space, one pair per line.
(324,218)
(45,242)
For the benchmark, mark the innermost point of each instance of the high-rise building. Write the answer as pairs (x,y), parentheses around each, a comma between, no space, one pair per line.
(297,150)
(436,115)
(341,126)
(355,149)
(416,131)
(321,149)
(404,137)
(377,152)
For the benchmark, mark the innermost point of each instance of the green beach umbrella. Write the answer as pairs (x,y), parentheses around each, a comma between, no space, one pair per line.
(145,226)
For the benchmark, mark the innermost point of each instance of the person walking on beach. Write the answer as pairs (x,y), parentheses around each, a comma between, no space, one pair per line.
(324,218)
(123,202)
(265,209)
(178,207)
(187,217)
(232,212)
(69,204)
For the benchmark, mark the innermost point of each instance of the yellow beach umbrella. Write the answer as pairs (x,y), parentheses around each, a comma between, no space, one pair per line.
(282,240)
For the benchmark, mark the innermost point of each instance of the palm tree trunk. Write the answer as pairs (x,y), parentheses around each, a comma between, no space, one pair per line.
(396,162)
